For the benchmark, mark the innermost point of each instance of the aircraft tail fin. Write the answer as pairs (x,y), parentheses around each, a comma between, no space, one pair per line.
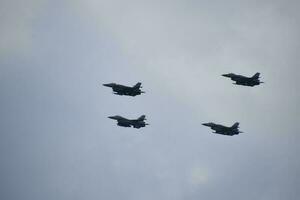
(236,125)
(256,75)
(142,118)
(138,85)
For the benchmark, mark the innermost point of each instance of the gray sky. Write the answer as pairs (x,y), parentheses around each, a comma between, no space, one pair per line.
(57,143)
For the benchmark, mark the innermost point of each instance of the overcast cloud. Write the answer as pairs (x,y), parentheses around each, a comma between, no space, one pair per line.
(57,143)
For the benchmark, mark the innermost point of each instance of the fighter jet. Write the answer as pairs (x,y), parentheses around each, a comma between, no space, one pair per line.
(125,90)
(224,130)
(243,80)
(135,123)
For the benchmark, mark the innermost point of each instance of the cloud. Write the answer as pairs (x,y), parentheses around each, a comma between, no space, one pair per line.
(199,176)
(178,49)
(17,23)
(182,47)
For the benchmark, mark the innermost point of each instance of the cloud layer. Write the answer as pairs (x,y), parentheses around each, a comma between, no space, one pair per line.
(57,143)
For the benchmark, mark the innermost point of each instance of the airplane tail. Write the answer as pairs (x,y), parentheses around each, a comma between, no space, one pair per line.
(138,85)
(256,76)
(142,118)
(236,125)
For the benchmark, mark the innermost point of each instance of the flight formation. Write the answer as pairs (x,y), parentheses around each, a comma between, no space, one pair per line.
(135,90)
(127,91)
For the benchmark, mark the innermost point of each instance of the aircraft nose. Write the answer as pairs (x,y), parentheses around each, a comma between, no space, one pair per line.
(226,75)
(108,84)
(205,124)
(111,117)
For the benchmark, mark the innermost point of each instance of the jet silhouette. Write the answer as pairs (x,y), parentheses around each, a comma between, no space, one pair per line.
(224,130)
(243,80)
(135,123)
(125,90)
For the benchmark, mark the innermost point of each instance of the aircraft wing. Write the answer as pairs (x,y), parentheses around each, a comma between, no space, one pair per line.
(124,124)
(230,133)
(119,93)
(219,128)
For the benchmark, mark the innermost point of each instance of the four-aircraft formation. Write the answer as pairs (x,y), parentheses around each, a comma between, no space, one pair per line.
(140,122)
